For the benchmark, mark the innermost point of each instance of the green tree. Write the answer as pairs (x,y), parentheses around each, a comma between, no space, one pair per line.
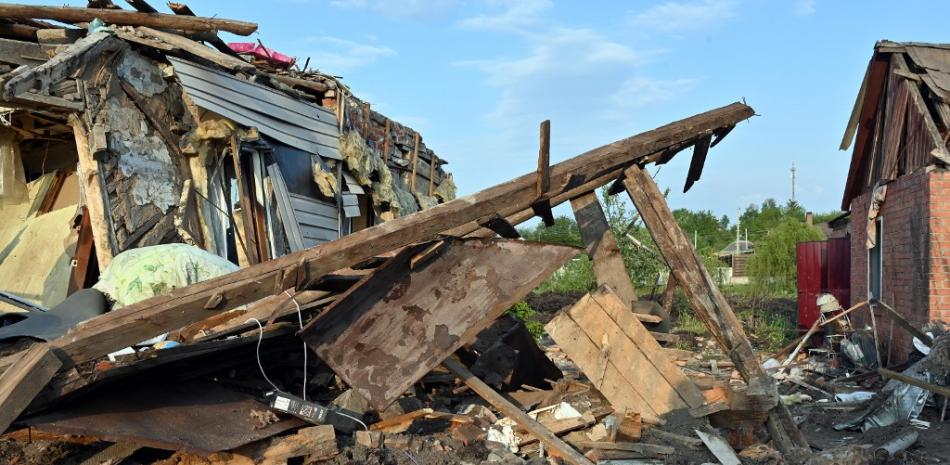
(773,266)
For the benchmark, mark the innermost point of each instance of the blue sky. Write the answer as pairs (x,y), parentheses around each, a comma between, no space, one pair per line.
(476,77)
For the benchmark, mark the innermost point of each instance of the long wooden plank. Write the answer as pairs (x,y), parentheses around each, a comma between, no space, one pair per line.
(708,302)
(126,18)
(397,324)
(646,343)
(554,444)
(122,327)
(602,247)
(544,159)
(23,380)
(199,50)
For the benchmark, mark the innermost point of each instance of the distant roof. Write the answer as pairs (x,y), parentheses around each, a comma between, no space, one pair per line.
(925,65)
(745,247)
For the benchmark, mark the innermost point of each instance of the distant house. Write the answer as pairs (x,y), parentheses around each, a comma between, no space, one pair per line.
(898,187)
(737,255)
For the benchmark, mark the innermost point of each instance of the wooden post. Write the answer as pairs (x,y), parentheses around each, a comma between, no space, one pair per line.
(126,18)
(386,143)
(709,303)
(415,158)
(91,185)
(602,247)
(669,294)
(432,167)
(544,159)
(554,443)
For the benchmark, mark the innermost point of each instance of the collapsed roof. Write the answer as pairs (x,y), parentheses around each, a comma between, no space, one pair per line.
(901,116)
(170,140)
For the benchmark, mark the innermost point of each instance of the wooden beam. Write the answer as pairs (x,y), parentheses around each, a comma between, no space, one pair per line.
(90,182)
(199,50)
(210,37)
(63,65)
(18,31)
(432,168)
(23,380)
(709,303)
(544,159)
(122,327)
(602,248)
(19,52)
(696,164)
(553,443)
(126,18)
(903,323)
(943,391)
(415,158)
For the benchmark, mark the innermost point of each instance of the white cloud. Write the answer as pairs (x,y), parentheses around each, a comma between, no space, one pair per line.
(335,55)
(805,7)
(513,17)
(640,92)
(560,52)
(414,9)
(681,17)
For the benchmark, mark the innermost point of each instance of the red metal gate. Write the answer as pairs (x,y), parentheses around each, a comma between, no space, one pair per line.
(823,267)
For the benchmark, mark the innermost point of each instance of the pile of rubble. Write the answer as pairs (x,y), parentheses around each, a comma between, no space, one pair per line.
(228,331)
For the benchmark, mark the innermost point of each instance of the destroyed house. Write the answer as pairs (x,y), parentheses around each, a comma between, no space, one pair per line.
(127,136)
(898,187)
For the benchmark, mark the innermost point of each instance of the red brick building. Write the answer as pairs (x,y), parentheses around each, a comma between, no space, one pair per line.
(899,127)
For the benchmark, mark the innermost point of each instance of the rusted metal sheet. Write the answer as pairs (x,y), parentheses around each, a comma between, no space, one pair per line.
(199,417)
(397,324)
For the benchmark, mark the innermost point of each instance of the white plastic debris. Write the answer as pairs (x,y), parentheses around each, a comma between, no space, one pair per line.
(856,396)
(503,433)
(565,411)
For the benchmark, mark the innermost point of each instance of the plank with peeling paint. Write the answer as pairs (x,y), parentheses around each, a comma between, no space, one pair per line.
(399,323)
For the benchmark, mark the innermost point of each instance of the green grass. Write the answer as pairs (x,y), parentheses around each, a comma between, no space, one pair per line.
(523,312)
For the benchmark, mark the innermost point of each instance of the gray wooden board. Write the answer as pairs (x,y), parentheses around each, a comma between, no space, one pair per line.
(397,324)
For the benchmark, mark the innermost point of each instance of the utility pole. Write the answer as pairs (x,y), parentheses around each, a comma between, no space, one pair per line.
(738,228)
(793,181)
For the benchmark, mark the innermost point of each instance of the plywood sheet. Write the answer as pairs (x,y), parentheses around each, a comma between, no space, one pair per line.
(619,356)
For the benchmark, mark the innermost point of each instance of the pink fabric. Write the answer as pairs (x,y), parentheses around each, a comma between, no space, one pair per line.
(262,53)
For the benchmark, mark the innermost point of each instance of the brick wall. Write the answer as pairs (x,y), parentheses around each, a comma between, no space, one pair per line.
(939,245)
(907,281)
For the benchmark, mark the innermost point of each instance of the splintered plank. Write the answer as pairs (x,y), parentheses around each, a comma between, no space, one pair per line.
(602,247)
(23,380)
(400,322)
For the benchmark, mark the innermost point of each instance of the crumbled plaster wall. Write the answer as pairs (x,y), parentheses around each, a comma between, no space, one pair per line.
(142,166)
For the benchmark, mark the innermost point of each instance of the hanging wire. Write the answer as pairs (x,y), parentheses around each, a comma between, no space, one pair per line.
(260,338)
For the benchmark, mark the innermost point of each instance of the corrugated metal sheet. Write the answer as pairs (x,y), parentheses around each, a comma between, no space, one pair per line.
(300,124)
(308,222)
(810,272)
(823,267)
(839,269)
